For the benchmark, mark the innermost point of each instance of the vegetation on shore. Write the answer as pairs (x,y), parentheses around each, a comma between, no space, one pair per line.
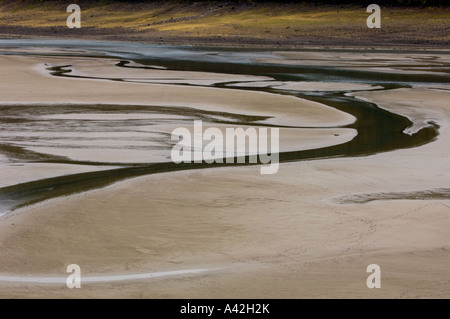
(216,21)
(411,3)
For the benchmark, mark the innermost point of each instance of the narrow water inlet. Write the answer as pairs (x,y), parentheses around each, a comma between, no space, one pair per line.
(377,130)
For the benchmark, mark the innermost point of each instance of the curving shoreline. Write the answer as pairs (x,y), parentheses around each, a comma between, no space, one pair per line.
(305,242)
(344,142)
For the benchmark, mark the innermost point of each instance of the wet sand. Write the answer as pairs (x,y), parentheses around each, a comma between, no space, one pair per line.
(301,233)
(22,87)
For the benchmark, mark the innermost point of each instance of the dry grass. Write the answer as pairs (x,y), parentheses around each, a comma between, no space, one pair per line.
(264,21)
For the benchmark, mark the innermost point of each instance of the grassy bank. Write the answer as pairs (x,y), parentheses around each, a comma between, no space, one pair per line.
(232,23)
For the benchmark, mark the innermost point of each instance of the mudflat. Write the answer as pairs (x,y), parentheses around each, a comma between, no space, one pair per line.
(309,231)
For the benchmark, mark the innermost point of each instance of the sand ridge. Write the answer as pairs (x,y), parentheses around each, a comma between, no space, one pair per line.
(283,110)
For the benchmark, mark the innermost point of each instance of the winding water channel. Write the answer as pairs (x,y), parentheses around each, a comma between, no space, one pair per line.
(377,130)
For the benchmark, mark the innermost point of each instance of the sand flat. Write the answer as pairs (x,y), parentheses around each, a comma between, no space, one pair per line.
(287,235)
(105,68)
(23,74)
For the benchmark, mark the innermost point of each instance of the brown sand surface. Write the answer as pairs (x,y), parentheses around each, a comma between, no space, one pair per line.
(308,231)
(22,76)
